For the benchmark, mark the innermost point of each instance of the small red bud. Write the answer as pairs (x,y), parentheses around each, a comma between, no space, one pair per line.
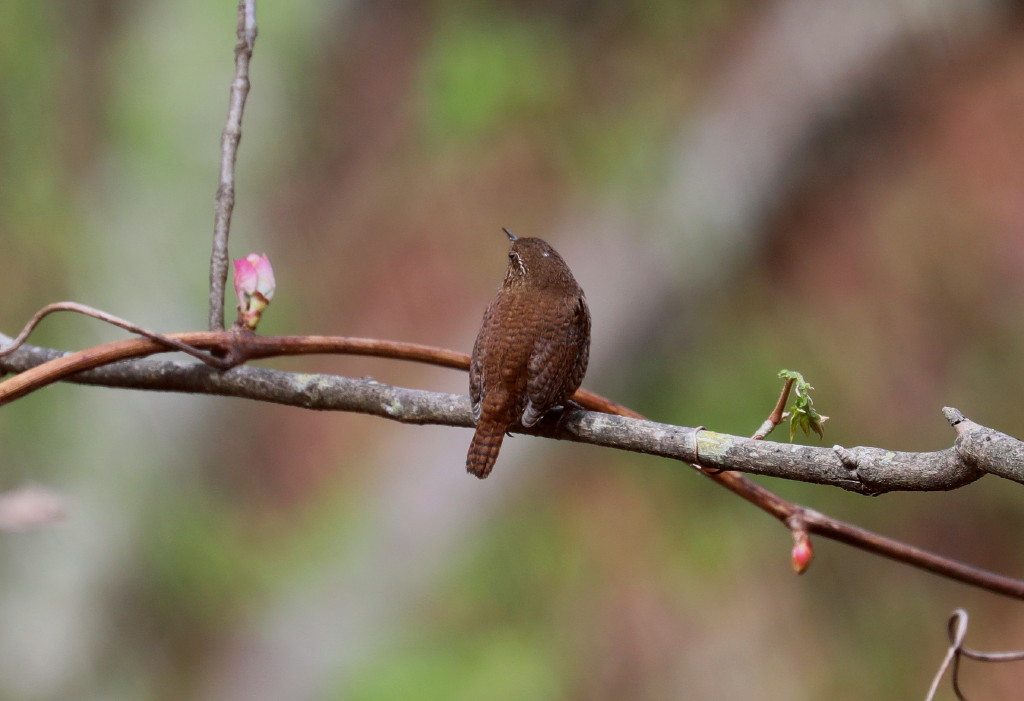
(803,553)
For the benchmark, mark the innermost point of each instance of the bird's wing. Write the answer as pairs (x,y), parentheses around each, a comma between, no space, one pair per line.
(559,359)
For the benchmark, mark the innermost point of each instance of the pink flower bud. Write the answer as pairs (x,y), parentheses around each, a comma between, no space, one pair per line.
(254,274)
(803,553)
(254,285)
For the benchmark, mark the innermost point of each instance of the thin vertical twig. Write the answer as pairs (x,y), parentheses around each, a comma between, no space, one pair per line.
(957,630)
(232,135)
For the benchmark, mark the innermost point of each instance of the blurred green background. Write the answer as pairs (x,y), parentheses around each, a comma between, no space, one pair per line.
(821,185)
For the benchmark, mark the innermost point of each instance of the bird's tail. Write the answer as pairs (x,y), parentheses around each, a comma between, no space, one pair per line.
(483,450)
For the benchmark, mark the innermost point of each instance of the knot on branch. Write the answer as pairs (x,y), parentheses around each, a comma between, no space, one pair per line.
(851,461)
(846,457)
(988,450)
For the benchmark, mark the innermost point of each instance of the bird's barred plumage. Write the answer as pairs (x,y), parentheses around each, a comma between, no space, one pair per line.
(532,350)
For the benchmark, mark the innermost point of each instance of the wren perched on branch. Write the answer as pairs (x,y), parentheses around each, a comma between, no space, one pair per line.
(531,353)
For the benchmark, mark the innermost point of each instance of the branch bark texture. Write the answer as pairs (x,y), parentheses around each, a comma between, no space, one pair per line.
(719,456)
(977,450)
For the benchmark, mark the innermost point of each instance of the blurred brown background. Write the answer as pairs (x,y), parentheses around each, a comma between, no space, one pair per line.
(820,185)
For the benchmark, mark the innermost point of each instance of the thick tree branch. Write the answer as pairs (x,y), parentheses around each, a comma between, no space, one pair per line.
(874,470)
(863,470)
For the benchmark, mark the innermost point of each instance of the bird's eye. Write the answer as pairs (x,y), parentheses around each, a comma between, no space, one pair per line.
(515,262)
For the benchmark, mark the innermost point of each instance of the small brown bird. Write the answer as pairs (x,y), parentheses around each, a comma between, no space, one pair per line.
(532,349)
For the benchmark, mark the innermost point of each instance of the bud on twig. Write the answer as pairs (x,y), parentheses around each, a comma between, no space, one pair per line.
(802,553)
(254,285)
